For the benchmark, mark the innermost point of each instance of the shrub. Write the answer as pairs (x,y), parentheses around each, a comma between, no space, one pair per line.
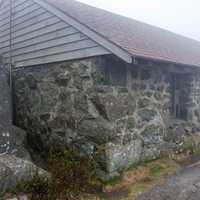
(72,174)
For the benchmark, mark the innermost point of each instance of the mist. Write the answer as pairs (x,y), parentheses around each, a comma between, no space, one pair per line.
(179,16)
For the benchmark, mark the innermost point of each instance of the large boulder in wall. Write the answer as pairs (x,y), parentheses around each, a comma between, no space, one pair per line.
(15,161)
(6,143)
(12,138)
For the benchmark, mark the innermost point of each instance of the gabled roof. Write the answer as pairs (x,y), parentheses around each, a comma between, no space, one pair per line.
(136,38)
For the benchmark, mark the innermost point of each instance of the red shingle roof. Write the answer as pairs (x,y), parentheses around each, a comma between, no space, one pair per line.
(137,38)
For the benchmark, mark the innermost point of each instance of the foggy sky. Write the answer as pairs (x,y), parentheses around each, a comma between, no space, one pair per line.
(179,16)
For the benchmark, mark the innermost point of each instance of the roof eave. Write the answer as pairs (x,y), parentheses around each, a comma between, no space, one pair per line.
(160,60)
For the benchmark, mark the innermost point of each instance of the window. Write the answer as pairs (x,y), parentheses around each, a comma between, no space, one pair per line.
(180,95)
(116,72)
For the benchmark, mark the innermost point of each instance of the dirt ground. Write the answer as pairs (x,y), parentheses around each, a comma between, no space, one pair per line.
(184,185)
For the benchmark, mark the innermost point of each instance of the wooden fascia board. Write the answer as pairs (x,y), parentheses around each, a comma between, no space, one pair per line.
(124,55)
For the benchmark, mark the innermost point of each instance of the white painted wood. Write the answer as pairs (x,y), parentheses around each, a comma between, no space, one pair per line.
(17,44)
(84,44)
(81,53)
(4,15)
(4,11)
(42,31)
(29,29)
(66,34)
(46,37)
(4,50)
(4,33)
(51,43)
(4,22)
(42,24)
(32,21)
(5,27)
(40,36)
(4,44)
(84,29)
(18,2)
(29,16)
(23,6)
(4,38)
(26,11)
(5,3)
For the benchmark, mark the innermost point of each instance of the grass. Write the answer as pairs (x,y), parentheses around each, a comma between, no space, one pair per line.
(133,182)
(71,176)
(136,180)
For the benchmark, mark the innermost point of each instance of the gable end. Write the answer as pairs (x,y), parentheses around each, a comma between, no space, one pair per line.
(121,53)
(39,36)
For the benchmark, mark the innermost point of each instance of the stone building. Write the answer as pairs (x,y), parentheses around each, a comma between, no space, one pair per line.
(110,85)
(5,112)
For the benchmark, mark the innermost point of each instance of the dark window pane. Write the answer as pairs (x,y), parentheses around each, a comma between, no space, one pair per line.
(116,72)
(180,94)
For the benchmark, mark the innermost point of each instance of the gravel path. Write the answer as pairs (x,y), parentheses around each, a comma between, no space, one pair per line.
(185,185)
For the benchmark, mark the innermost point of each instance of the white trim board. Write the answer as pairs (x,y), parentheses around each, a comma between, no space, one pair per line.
(121,53)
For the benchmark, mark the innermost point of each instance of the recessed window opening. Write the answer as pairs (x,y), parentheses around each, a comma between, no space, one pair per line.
(116,73)
(180,96)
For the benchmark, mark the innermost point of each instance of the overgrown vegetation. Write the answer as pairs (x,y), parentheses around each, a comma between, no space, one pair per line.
(192,145)
(139,178)
(72,175)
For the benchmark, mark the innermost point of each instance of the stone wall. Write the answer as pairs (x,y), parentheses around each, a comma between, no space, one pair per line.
(5,113)
(12,139)
(102,105)
(194,100)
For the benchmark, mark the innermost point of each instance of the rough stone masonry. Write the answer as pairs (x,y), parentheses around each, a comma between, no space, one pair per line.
(102,105)
(12,138)
(14,164)
(5,112)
